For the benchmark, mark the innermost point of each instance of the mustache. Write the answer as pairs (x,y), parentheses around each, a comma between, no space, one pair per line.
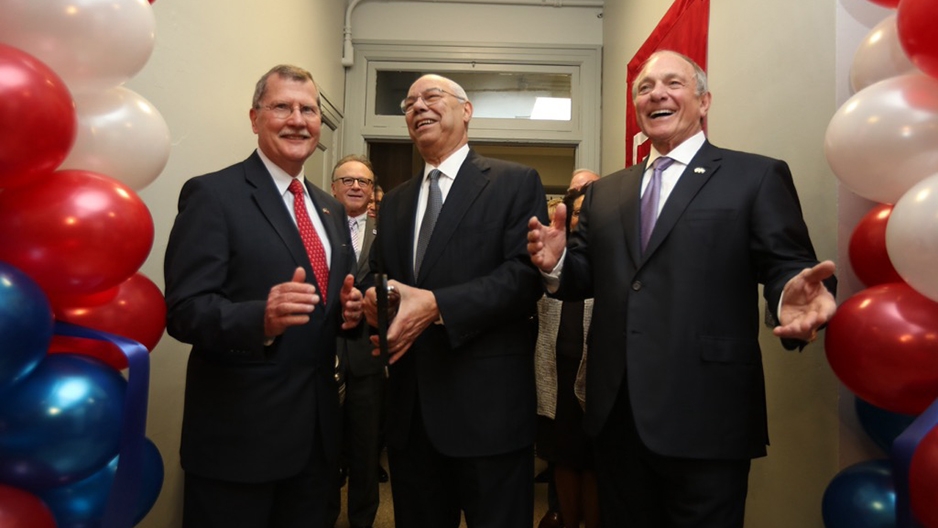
(295,132)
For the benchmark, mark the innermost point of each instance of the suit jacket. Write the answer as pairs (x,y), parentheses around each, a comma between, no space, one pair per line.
(680,324)
(355,351)
(472,377)
(251,412)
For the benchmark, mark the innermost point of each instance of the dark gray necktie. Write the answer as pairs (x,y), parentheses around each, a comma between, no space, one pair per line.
(434,204)
(650,199)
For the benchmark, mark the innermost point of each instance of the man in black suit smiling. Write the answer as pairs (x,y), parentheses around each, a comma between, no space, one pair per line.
(461,418)
(258,281)
(673,251)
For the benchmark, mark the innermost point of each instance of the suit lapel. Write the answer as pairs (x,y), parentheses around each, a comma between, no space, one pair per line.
(272,206)
(469,182)
(630,193)
(367,238)
(704,165)
(404,219)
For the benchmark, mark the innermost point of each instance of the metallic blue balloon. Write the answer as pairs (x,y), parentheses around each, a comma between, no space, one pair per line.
(861,496)
(881,425)
(25,325)
(81,504)
(61,423)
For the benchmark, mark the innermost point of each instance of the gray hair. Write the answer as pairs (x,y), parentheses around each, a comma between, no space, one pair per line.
(284,71)
(354,157)
(700,76)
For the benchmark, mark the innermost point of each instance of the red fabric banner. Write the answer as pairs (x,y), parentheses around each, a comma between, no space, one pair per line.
(684,28)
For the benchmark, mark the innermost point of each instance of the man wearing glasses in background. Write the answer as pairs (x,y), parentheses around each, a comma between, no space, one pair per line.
(353,184)
(258,281)
(461,413)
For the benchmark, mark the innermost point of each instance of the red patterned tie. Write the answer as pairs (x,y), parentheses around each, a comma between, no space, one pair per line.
(314,249)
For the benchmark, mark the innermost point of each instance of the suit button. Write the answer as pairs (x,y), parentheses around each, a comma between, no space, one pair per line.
(637,285)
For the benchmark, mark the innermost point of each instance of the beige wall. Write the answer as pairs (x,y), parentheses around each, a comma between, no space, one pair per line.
(201,76)
(773,85)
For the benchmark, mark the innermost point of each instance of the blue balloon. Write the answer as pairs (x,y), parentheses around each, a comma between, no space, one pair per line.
(881,425)
(61,423)
(81,504)
(25,325)
(861,496)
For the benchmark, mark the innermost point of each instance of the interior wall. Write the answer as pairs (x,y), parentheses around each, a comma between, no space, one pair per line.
(201,76)
(773,93)
(478,24)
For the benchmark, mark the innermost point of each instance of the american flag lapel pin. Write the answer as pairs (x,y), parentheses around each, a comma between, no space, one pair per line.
(326,211)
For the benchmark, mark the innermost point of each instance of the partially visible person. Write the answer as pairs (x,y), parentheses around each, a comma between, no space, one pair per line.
(258,280)
(673,252)
(545,378)
(581,177)
(375,201)
(353,183)
(562,337)
(462,411)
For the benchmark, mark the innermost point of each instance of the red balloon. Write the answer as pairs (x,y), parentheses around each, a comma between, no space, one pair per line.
(915,24)
(20,509)
(883,345)
(923,480)
(75,232)
(137,311)
(38,123)
(868,248)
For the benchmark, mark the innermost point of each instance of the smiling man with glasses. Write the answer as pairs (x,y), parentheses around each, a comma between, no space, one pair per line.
(461,412)
(248,268)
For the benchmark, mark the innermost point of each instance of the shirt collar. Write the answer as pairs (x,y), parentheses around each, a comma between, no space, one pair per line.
(683,153)
(450,166)
(281,178)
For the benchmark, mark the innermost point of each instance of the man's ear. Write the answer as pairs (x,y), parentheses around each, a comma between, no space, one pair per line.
(467,112)
(705,100)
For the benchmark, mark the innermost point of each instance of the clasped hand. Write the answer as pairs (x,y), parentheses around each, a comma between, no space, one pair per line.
(416,312)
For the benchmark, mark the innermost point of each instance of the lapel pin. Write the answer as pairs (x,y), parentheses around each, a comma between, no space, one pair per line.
(699,170)
(326,211)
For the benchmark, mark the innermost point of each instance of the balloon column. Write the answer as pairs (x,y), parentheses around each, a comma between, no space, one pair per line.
(75,147)
(882,343)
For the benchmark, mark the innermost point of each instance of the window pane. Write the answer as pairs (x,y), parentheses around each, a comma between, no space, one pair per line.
(494,95)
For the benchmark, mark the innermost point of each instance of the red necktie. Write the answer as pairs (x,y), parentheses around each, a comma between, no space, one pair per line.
(314,249)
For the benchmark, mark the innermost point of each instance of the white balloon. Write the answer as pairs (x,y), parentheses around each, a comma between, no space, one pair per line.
(912,237)
(121,135)
(88,43)
(884,139)
(879,56)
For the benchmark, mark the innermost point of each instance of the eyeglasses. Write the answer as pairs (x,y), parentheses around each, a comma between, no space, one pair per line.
(284,110)
(430,96)
(362,182)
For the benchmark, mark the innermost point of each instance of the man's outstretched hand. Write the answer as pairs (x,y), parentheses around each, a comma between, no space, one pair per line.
(806,304)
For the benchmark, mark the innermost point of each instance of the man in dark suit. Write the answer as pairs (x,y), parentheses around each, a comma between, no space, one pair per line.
(353,183)
(461,418)
(675,393)
(261,302)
